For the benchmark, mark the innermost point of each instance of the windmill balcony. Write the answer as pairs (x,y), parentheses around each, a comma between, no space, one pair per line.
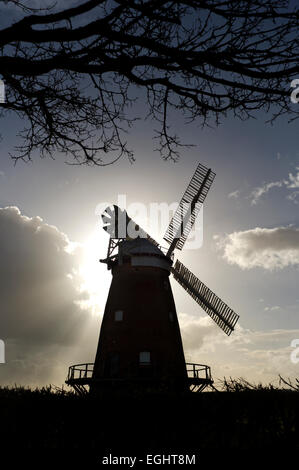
(80,376)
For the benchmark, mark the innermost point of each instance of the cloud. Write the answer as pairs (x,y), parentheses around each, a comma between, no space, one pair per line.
(2,174)
(270,249)
(196,330)
(258,356)
(293,182)
(294,197)
(272,309)
(234,194)
(41,320)
(257,193)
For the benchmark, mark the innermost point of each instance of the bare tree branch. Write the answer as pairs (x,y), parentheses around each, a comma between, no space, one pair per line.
(72,75)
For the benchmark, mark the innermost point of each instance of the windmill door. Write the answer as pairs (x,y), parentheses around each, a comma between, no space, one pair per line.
(112,365)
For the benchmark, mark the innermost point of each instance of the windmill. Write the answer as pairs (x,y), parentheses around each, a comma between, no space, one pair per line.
(140,343)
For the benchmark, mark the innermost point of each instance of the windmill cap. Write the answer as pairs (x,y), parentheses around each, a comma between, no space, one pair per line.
(143,253)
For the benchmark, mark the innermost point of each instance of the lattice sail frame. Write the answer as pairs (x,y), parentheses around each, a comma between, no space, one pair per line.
(189,207)
(219,311)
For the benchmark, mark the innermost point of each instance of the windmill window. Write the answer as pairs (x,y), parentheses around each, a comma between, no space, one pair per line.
(145,358)
(118,315)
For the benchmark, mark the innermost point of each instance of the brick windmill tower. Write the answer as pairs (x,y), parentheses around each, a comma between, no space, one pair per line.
(140,346)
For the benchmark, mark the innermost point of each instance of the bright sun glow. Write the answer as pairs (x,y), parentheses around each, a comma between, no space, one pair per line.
(95,276)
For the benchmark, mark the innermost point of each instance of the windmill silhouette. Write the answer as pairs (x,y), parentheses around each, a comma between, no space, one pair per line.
(140,344)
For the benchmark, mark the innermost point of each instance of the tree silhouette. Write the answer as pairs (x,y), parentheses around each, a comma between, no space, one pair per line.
(74,75)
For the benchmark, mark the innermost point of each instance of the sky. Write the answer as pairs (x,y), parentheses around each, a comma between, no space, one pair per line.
(53,288)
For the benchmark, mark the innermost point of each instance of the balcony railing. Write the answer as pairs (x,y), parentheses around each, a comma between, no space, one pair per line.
(85,371)
(198,371)
(80,371)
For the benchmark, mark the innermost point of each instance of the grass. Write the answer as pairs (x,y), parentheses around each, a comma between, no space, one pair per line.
(241,418)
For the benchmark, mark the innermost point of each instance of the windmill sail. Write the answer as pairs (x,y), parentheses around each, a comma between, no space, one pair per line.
(189,207)
(223,315)
(119,225)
